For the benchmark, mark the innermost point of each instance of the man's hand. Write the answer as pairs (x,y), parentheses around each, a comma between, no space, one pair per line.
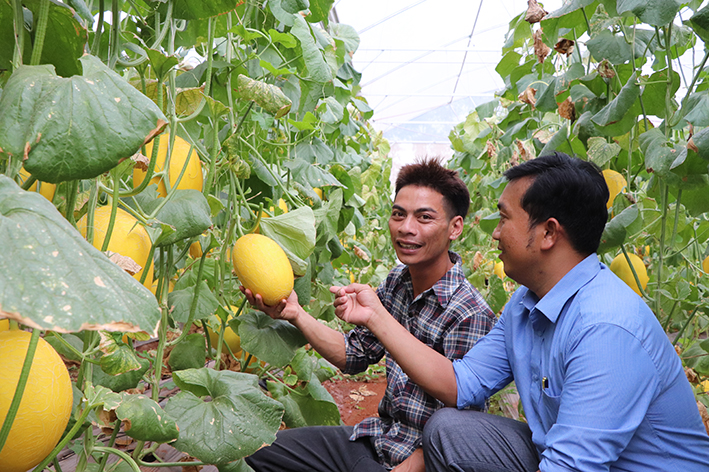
(356,303)
(413,463)
(286,309)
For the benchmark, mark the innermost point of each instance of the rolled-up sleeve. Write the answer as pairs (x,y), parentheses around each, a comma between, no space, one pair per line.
(484,370)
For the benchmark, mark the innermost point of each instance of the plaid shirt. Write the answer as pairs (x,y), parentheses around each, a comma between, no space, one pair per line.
(449,317)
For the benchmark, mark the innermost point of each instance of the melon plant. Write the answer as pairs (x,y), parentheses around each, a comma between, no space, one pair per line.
(268,116)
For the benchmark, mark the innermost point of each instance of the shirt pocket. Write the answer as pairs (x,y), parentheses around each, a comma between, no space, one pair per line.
(550,408)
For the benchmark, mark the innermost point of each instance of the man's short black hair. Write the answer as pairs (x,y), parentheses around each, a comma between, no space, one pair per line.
(430,173)
(569,189)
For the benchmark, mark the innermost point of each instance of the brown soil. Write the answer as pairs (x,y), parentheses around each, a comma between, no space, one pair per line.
(356,400)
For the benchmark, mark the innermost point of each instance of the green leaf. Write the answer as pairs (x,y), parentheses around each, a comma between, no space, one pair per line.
(700,23)
(659,156)
(311,405)
(348,35)
(619,116)
(701,141)
(121,382)
(198,9)
(315,62)
(267,96)
(190,353)
(489,223)
(235,422)
(53,279)
(652,12)
(600,151)
(617,229)
(319,10)
(97,395)
(695,356)
(180,302)
(295,233)
(144,420)
(273,341)
(68,37)
(655,91)
(187,212)
(75,128)
(607,45)
(330,110)
(161,63)
(696,109)
(497,295)
(286,39)
(557,140)
(508,63)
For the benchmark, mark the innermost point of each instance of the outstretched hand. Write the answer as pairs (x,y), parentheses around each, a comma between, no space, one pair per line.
(285,309)
(356,303)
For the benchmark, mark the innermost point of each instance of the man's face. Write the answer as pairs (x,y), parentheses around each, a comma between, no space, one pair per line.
(420,227)
(516,240)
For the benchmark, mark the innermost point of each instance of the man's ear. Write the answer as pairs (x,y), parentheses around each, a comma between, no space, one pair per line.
(455,227)
(552,232)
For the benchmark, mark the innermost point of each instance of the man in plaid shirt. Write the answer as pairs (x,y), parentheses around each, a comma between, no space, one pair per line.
(429,296)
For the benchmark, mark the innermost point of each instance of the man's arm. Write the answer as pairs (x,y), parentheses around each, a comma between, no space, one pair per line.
(432,371)
(325,340)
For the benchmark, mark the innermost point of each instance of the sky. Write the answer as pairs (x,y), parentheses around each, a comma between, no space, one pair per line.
(417,56)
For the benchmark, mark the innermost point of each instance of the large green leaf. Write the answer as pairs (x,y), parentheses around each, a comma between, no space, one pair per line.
(659,155)
(187,212)
(52,278)
(144,420)
(190,353)
(318,68)
(65,37)
(74,128)
(273,341)
(655,92)
(619,116)
(618,228)
(607,45)
(295,233)
(235,421)
(652,12)
(7,36)
(180,302)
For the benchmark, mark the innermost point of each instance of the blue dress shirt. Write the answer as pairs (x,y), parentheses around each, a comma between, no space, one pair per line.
(602,387)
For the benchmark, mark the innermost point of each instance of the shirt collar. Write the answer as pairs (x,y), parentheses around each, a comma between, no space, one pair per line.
(448,284)
(553,302)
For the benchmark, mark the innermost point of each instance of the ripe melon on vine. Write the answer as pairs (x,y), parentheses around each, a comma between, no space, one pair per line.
(616,183)
(191,179)
(620,267)
(129,238)
(263,267)
(46,403)
(44,188)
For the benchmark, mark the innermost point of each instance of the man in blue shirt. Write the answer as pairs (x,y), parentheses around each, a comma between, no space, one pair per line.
(601,386)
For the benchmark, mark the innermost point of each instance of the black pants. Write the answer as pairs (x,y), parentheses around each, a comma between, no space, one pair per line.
(316,449)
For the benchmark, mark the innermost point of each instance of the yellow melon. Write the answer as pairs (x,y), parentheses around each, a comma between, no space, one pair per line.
(263,267)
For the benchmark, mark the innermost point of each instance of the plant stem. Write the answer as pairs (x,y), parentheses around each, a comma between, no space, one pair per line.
(41,31)
(19,27)
(658,294)
(20,388)
(115,33)
(123,455)
(72,190)
(96,46)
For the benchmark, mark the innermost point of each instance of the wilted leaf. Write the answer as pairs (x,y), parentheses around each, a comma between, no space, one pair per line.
(267,96)
(541,50)
(535,13)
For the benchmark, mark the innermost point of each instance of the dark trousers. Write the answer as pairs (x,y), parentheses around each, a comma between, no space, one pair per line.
(472,441)
(316,449)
